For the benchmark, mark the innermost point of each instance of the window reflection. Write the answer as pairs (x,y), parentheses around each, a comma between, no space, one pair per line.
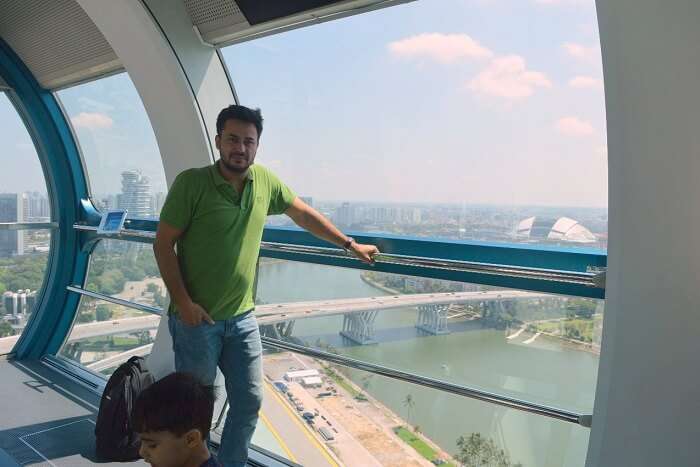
(118,145)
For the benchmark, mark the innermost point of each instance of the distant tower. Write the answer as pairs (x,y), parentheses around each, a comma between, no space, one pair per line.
(136,194)
(12,209)
(345,214)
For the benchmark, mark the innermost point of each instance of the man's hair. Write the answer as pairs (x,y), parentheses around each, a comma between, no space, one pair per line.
(242,113)
(177,403)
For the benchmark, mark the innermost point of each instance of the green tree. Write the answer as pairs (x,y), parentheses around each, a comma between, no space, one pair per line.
(366,382)
(409,403)
(103,312)
(581,307)
(479,451)
(86,316)
(5,329)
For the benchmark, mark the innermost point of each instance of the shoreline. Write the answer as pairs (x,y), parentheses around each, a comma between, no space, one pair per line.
(379,286)
(570,343)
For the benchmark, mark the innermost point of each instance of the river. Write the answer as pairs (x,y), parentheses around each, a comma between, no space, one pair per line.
(543,371)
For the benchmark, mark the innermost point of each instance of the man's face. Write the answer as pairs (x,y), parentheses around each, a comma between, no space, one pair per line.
(165,449)
(237,145)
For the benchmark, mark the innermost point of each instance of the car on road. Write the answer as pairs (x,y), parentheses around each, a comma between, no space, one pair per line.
(326,433)
(281,387)
(308,415)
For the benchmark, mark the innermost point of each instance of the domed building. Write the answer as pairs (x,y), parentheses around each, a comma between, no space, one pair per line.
(563,229)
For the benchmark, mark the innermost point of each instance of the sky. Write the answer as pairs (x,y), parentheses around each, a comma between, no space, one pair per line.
(460,101)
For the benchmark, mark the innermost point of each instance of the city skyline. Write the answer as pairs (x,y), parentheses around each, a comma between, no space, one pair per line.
(513,119)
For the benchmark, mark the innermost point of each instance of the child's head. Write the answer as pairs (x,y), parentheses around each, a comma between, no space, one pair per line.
(173,417)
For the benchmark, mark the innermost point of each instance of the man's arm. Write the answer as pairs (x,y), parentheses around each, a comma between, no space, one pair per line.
(164,250)
(310,219)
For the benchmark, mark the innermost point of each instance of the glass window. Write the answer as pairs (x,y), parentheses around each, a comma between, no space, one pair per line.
(23,198)
(104,334)
(468,120)
(527,345)
(356,418)
(119,148)
(531,346)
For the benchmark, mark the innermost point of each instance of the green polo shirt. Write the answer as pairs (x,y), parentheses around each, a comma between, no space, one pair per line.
(219,248)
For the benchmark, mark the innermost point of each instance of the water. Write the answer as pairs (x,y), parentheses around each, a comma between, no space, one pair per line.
(544,371)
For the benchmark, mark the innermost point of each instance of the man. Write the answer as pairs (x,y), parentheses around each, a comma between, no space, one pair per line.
(216,215)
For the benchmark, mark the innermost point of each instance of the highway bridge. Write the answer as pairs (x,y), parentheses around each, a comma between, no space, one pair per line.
(359,314)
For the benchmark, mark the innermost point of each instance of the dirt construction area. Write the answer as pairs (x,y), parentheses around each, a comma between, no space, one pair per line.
(362,430)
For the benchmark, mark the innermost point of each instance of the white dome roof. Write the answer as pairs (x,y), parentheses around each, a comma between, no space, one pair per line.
(562,229)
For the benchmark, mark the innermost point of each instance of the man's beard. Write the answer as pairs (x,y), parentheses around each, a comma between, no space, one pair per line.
(235,168)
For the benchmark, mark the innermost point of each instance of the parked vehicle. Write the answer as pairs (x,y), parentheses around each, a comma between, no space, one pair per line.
(326,433)
(281,387)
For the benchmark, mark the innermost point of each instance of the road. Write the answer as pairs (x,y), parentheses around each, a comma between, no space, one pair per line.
(274,313)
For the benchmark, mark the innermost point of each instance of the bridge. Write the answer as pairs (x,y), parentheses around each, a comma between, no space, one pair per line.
(359,314)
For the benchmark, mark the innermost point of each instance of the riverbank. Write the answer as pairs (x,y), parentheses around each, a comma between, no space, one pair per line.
(354,416)
(379,286)
(568,342)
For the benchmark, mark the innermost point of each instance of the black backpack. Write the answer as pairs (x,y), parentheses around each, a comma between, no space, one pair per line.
(115,439)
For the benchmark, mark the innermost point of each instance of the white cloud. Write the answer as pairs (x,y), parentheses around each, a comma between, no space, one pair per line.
(582,52)
(574,126)
(443,48)
(92,120)
(585,82)
(508,77)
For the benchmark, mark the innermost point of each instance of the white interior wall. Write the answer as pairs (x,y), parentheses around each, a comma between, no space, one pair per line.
(647,399)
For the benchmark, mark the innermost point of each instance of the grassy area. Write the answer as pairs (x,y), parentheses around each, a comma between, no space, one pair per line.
(418,444)
(573,328)
(342,382)
(124,341)
(549,327)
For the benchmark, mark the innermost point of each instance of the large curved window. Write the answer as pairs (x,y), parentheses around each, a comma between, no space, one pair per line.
(104,334)
(474,120)
(471,120)
(23,199)
(119,149)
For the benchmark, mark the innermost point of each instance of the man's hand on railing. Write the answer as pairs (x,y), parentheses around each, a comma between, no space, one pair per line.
(363,252)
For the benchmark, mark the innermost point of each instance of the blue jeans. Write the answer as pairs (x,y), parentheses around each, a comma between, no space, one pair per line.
(234,346)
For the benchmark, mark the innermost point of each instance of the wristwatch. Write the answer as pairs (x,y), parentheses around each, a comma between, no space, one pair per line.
(348,242)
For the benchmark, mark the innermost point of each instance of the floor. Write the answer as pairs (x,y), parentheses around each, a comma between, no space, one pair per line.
(47,419)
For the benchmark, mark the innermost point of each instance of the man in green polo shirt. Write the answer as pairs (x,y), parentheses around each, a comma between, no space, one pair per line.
(215,215)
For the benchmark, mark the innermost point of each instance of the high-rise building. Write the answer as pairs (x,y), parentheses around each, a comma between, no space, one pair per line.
(345,215)
(36,207)
(11,210)
(9,302)
(157,202)
(19,303)
(136,194)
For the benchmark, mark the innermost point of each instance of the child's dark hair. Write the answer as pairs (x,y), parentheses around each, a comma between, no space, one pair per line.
(177,403)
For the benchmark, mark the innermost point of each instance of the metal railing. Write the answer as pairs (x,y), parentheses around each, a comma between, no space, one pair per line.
(587,279)
(460,390)
(115,300)
(28,225)
(582,278)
